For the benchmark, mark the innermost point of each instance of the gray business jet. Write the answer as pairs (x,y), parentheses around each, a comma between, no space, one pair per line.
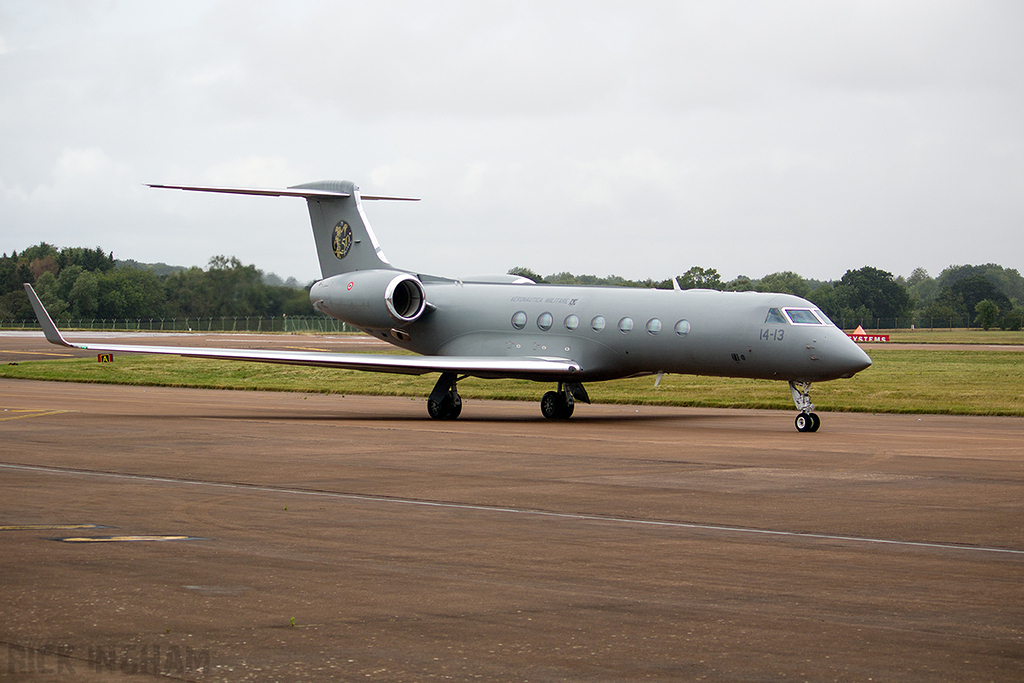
(509,327)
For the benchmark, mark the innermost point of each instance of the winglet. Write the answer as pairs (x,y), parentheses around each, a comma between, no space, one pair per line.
(45,321)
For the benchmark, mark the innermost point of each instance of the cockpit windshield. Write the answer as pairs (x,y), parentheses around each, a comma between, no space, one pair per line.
(775,316)
(802,316)
(824,318)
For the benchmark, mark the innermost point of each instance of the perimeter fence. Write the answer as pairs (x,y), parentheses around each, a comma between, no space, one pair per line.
(1009,322)
(279,324)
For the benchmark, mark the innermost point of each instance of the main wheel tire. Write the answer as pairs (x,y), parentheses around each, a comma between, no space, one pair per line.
(555,405)
(455,407)
(567,408)
(804,423)
(815,422)
(448,408)
(435,409)
(550,405)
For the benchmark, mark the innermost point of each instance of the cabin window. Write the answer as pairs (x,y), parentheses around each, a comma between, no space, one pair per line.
(802,316)
(775,316)
(519,320)
(653,326)
(626,325)
(597,324)
(683,328)
(572,322)
(544,321)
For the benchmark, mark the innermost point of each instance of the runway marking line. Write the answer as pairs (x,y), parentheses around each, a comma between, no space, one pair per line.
(518,511)
(38,353)
(31,412)
(124,539)
(50,527)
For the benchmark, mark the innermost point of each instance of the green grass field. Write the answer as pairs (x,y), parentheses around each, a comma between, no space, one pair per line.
(980,382)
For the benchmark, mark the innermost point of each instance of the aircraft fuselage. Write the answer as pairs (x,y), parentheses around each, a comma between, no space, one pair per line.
(610,332)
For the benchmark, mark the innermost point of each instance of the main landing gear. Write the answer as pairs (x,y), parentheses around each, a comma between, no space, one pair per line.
(558,405)
(444,402)
(807,420)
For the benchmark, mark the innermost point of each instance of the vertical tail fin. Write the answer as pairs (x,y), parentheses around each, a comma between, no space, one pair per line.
(344,239)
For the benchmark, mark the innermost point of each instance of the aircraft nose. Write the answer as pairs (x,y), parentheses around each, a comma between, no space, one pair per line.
(849,359)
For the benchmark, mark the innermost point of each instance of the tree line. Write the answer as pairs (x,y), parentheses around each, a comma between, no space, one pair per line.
(960,296)
(85,283)
(80,282)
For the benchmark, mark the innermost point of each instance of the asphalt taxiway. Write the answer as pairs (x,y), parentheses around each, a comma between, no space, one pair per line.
(245,536)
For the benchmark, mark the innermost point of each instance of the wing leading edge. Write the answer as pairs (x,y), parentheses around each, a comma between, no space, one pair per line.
(477,366)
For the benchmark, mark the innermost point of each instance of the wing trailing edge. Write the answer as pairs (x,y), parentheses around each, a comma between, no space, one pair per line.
(477,366)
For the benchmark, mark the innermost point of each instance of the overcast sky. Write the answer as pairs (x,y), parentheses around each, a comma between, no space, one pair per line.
(636,139)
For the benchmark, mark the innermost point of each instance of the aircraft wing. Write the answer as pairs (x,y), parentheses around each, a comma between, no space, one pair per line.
(478,366)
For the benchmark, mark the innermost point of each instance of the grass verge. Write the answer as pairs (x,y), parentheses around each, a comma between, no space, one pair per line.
(900,381)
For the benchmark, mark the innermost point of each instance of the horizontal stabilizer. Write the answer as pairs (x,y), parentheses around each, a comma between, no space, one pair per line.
(306,193)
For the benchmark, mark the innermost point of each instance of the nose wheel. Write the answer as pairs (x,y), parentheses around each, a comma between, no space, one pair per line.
(807,420)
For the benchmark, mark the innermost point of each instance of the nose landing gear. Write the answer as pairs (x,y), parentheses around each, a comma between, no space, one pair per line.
(807,420)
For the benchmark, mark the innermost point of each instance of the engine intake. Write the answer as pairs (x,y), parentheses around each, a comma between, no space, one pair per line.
(405,298)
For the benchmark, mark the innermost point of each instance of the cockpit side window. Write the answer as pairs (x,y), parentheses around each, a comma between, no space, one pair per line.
(774,316)
(802,316)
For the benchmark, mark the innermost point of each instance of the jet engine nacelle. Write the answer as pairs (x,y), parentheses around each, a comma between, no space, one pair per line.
(371,298)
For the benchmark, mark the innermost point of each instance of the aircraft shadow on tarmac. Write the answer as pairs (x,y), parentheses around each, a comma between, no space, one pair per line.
(581,420)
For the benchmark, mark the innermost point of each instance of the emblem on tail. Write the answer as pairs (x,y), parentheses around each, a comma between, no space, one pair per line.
(341,241)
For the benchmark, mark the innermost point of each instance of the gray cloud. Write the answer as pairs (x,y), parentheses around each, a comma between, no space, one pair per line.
(593,137)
